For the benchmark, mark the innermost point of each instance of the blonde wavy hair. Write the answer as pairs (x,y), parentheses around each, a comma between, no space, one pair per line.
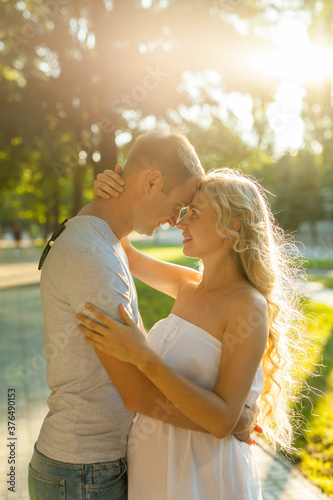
(267,260)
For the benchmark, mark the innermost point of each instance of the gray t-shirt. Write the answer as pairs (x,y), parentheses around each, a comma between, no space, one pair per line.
(87,420)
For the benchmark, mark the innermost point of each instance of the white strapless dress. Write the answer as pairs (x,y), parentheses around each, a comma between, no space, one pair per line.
(169,463)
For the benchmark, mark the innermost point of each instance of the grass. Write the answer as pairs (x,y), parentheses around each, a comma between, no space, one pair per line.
(318,264)
(155,305)
(316,440)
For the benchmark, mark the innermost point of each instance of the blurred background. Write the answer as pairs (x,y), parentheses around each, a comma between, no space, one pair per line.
(249,83)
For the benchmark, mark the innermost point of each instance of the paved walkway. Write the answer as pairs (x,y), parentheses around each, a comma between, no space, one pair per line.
(19,274)
(23,367)
(317,292)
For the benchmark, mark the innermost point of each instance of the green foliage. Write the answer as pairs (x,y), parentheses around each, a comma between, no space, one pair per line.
(318,264)
(154,305)
(74,75)
(295,182)
(316,440)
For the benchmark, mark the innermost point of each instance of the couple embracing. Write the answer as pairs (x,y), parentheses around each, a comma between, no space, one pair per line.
(168,415)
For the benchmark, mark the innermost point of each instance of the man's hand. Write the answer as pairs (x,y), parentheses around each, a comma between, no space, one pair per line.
(247,424)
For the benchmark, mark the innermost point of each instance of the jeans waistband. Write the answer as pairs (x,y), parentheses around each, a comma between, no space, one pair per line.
(39,456)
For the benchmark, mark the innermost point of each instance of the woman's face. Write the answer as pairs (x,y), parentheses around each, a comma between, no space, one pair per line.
(198,226)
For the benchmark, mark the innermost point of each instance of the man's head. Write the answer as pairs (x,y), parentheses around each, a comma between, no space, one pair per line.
(165,171)
(171,153)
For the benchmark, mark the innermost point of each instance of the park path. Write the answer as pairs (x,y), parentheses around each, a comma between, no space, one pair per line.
(19,274)
(21,347)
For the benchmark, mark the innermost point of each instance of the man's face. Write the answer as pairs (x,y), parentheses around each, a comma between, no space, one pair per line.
(162,208)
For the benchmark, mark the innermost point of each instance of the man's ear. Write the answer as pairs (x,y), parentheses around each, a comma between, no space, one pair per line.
(153,179)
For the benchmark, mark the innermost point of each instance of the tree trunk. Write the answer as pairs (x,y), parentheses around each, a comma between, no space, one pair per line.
(77,190)
(47,228)
(56,206)
(108,149)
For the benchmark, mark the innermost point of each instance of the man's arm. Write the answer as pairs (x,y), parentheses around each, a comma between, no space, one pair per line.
(95,284)
(96,281)
(140,395)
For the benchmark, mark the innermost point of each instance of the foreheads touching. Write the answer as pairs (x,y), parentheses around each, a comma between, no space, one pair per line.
(170,153)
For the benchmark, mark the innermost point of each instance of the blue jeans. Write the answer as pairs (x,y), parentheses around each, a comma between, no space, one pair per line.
(53,480)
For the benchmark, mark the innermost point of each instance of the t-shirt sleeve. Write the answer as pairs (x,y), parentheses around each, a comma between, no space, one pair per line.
(98,278)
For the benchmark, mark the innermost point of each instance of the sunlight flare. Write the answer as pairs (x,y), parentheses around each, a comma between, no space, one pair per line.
(295,57)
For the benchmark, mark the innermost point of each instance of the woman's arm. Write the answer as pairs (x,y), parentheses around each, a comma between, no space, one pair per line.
(162,276)
(217,411)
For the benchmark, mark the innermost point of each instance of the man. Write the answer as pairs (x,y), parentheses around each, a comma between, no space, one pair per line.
(80,452)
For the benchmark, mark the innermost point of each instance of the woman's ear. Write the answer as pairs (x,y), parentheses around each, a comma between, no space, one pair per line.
(235,225)
(153,179)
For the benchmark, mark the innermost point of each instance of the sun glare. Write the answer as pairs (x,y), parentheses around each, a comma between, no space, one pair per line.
(295,58)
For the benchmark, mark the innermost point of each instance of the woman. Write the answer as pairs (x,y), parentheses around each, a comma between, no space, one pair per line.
(225,344)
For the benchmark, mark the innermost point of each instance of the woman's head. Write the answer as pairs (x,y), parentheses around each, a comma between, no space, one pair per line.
(199,229)
(243,218)
(233,206)
(234,197)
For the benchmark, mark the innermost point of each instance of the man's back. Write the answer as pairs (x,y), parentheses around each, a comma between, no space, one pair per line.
(87,421)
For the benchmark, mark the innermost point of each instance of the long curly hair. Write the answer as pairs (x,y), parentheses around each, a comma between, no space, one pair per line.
(267,261)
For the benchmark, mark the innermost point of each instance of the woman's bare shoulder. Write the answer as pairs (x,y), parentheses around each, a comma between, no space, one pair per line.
(248,299)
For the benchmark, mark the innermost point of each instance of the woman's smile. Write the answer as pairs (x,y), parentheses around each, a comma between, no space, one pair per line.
(187,238)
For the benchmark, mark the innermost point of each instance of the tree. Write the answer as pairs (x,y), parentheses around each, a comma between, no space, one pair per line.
(76,74)
(297,189)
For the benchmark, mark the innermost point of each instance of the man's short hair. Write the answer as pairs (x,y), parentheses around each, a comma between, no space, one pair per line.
(171,153)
